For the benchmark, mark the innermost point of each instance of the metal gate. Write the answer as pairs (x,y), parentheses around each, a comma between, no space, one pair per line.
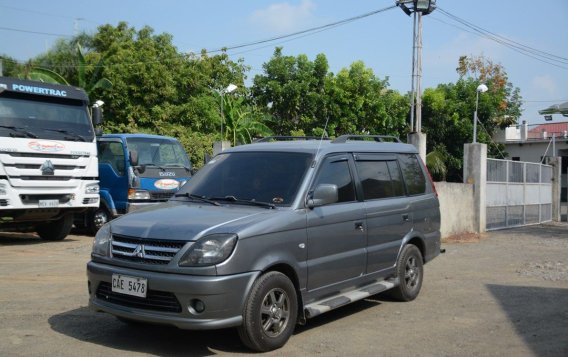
(518,193)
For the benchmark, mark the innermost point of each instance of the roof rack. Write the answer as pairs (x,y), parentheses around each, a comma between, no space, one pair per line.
(287,138)
(379,138)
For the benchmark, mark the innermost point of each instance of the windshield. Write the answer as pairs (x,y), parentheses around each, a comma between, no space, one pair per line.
(159,152)
(55,119)
(272,177)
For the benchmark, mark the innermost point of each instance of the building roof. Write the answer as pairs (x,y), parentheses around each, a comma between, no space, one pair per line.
(549,128)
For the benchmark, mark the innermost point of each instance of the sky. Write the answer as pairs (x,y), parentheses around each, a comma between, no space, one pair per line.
(383,41)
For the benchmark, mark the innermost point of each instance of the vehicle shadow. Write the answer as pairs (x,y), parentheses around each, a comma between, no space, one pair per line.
(539,315)
(104,329)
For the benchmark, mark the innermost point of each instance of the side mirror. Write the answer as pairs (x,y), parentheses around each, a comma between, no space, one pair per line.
(133,157)
(324,194)
(97,115)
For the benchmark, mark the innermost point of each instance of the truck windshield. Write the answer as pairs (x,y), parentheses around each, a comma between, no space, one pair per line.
(57,119)
(271,177)
(159,152)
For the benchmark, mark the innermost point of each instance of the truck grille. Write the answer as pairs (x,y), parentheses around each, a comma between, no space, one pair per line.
(3,203)
(154,300)
(147,251)
(161,196)
(34,199)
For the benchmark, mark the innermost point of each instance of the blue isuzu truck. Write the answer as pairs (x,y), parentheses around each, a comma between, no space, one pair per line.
(135,170)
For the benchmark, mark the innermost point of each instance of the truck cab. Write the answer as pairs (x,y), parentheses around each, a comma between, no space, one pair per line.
(135,171)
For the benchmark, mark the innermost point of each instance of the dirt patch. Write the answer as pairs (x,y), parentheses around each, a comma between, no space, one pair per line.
(463,238)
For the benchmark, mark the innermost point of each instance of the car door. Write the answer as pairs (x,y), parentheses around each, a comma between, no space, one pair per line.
(112,173)
(387,209)
(336,238)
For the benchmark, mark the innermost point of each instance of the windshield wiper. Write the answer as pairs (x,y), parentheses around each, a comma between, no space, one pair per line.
(22,131)
(251,202)
(197,198)
(67,132)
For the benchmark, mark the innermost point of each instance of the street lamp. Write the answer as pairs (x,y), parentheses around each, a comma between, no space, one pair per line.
(230,88)
(482,88)
(418,8)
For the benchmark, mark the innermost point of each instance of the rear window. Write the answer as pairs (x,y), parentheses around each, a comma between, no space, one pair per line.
(380,179)
(412,174)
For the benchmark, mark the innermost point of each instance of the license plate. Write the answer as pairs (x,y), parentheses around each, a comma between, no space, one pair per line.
(129,285)
(48,203)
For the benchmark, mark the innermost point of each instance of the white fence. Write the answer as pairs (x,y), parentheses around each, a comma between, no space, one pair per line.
(518,193)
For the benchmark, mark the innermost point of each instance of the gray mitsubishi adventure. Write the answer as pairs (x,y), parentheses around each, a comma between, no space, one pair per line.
(268,235)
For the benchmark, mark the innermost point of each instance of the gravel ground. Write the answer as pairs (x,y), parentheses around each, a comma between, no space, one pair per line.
(505,294)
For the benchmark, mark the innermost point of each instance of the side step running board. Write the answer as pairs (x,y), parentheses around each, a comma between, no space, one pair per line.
(333,302)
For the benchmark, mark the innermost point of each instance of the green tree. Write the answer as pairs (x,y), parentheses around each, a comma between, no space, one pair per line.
(448,110)
(242,122)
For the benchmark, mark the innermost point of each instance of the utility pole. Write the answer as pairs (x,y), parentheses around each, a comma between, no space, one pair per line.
(417,8)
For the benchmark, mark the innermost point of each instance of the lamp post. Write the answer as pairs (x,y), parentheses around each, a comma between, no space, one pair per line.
(482,88)
(230,88)
(418,8)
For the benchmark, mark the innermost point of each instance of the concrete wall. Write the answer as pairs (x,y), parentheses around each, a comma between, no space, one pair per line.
(456,208)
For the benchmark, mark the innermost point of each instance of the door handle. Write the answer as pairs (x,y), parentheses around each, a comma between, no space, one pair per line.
(359,226)
(406,217)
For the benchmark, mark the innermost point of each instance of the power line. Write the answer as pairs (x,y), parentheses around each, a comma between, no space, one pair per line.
(290,36)
(323,27)
(34,32)
(528,51)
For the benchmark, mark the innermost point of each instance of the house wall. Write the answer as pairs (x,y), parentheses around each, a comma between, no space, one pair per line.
(456,208)
(533,151)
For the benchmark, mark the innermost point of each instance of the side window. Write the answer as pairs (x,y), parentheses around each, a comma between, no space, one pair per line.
(412,174)
(111,152)
(336,171)
(396,178)
(380,179)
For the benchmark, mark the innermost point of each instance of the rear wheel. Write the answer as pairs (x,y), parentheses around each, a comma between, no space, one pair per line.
(56,230)
(97,219)
(410,272)
(270,313)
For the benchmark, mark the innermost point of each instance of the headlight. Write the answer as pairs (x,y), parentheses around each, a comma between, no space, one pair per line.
(102,241)
(209,250)
(92,188)
(134,194)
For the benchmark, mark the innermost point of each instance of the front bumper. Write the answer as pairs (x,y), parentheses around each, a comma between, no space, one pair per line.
(224,297)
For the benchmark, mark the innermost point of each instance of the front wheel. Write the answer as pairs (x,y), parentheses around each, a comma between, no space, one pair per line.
(410,271)
(56,230)
(97,219)
(270,313)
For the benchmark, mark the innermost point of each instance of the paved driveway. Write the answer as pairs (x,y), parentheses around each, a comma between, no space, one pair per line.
(504,295)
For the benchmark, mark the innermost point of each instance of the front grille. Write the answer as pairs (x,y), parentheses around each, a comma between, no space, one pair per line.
(147,251)
(154,300)
(3,203)
(43,178)
(45,156)
(38,166)
(34,199)
(161,196)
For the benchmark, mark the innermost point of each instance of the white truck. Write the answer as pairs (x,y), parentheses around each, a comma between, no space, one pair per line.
(48,157)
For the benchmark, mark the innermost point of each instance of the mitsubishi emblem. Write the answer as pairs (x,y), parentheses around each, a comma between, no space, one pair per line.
(47,168)
(139,251)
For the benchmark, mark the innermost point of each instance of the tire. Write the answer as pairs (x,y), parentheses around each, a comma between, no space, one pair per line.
(270,313)
(97,219)
(56,230)
(410,271)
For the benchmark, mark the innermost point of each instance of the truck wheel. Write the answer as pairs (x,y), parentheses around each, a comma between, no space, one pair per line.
(270,313)
(56,230)
(97,219)
(410,271)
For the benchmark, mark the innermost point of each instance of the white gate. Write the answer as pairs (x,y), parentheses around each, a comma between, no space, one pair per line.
(518,193)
